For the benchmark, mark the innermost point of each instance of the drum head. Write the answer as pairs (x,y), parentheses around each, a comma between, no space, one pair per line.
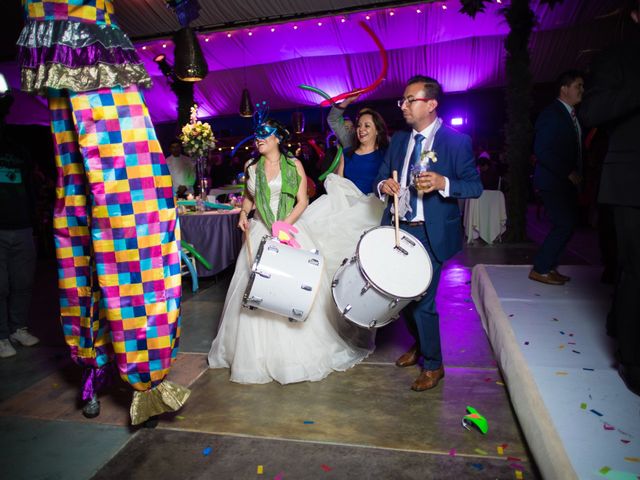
(401,273)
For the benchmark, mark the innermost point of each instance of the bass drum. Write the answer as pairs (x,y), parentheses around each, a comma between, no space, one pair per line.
(372,287)
(284,280)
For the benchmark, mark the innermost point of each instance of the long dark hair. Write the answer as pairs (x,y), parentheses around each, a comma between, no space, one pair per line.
(382,136)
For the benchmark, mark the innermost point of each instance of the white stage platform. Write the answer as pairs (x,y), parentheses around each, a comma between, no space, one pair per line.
(579,419)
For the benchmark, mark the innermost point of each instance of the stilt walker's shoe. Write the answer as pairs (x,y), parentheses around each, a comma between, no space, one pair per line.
(91,409)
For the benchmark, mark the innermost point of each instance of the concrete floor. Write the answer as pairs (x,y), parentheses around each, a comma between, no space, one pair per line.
(363,423)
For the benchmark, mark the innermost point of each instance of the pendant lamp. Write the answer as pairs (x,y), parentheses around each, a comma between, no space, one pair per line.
(190,65)
(246,107)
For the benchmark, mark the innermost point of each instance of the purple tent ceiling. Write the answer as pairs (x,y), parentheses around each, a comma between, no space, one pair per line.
(335,54)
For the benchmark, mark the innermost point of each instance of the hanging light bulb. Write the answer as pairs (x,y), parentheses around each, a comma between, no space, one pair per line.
(190,65)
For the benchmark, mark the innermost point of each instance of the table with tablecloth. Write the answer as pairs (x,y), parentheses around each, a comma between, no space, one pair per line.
(215,235)
(485,217)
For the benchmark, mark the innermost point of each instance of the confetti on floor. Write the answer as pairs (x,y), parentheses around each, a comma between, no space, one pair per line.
(207,451)
(588,369)
(480,451)
(500,383)
(260,470)
(632,459)
(513,459)
(604,470)
(179,417)
(526,343)
(608,427)
(555,319)
(596,412)
(575,351)
(326,468)
(308,422)
(500,450)
(561,347)
(562,373)
(452,452)
(477,466)
(583,406)
(625,441)
(561,332)
(519,475)
(279,476)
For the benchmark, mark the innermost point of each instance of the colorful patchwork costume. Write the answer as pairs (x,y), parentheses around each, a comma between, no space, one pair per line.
(116,226)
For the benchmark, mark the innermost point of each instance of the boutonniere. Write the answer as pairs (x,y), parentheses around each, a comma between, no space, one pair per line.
(430,154)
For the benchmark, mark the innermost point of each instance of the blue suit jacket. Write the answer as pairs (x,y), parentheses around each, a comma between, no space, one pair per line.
(442,215)
(556,148)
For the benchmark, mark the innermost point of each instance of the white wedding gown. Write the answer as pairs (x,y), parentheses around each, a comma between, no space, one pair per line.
(260,346)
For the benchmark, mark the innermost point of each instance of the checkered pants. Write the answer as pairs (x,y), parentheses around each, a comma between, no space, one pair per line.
(116,234)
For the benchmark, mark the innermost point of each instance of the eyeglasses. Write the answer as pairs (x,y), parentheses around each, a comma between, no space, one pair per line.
(402,101)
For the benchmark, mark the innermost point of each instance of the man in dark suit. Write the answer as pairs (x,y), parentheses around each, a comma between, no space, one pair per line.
(434,216)
(612,101)
(557,146)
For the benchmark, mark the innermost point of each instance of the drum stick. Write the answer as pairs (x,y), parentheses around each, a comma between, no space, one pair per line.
(395,209)
(247,242)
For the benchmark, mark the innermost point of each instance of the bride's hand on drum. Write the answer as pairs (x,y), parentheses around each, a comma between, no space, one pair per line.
(390,187)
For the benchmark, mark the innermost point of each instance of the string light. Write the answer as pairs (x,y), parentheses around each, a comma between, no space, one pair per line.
(391,13)
(343,20)
(144,47)
(444,7)
(228,35)
(418,11)
(206,39)
(251,34)
(368,17)
(295,27)
(319,24)
(164,45)
(273,29)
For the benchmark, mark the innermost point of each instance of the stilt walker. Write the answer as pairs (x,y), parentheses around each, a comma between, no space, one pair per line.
(115,223)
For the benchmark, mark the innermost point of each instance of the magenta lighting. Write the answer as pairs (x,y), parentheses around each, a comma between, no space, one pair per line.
(457,121)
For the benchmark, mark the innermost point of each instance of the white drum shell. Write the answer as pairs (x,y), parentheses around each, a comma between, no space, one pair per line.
(284,280)
(356,294)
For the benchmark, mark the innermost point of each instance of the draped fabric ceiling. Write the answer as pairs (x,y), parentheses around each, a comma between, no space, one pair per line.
(334,53)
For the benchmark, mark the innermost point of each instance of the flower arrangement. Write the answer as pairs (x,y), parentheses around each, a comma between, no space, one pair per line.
(431,155)
(197,137)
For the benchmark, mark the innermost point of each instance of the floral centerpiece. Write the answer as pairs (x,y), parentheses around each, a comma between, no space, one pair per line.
(197,137)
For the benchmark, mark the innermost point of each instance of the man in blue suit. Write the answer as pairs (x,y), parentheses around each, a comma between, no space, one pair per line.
(433,216)
(557,145)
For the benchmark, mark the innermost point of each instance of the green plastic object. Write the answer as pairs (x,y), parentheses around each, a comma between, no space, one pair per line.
(333,165)
(189,248)
(476,420)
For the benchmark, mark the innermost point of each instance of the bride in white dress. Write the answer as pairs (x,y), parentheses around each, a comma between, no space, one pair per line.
(259,346)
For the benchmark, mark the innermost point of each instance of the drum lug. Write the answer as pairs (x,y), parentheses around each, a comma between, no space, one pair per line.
(398,248)
(373,323)
(344,261)
(296,312)
(254,299)
(346,309)
(263,274)
(314,261)
(353,259)
(273,248)
(408,240)
(394,303)
(308,288)
(335,282)
(315,251)
(365,288)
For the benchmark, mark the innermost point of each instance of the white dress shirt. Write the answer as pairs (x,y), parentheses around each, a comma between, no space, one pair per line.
(426,146)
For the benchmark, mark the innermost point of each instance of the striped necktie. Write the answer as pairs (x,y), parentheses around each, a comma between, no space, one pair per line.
(414,160)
